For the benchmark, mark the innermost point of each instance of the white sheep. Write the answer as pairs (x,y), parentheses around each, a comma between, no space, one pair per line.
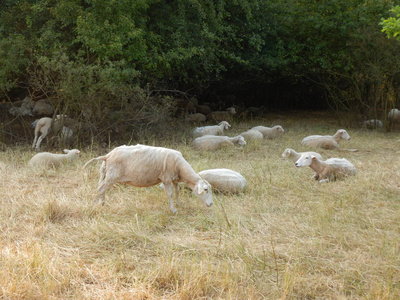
(44,127)
(47,159)
(219,116)
(144,166)
(214,142)
(294,156)
(326,141)
(211,130)
(252,135)
(327,170)
(373,123)
(270,132)
(224,180)
(394,115)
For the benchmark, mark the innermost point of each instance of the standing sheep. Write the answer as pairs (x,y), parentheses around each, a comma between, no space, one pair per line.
(211,130)
(268,132)
(326,141)
(215,142)
(144,166)
(327,170)
(48,159)
(224,180)
(394,115)
(44,127)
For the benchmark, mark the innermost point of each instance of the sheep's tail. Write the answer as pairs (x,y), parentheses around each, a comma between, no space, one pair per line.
(93,159)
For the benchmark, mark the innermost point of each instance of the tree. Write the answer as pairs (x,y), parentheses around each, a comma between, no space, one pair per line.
(391,25)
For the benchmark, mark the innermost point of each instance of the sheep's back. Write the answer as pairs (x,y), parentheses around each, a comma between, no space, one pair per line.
(224,180)
(319,141)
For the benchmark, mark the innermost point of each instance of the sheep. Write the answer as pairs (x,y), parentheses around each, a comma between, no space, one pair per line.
(394,115)
(270,133)
(214,142)
(144,166)
(211,130)
(203,109)
(326,141)
(252,134)
(25,109)
(327,170)
(45,126)
(224,180)
(219,116)
(53,159)
(294,156)
(196,117)
(373,123)
(42,107)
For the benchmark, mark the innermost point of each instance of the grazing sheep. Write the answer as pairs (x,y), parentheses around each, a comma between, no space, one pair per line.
(144,166)
(252,135)
(211,130)
(214,142)
(394,115)
(224,180)
(326,141)
(294,156)
(45,126)
(53,159)
(373,124)
(196,117)
(219,116)
(327,170)
(268,132)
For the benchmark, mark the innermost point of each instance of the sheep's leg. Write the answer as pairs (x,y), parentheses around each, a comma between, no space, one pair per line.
(176,189)
(44,132)
(168,190)
(34,141)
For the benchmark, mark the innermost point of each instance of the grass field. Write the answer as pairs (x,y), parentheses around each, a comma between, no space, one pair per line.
(286,237)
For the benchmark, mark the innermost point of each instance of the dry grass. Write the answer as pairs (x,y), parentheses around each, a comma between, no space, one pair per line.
(286,237)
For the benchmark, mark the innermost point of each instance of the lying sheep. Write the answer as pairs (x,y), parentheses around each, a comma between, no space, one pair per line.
(327,170)
(215,142)
(252,135)
(224,180)
(144,166)
(42,107)
(48,159)
(44,127)
(268,132)
(219,116)
(373,124)
(294,156)
(196,117)
(211,130)
(326,141)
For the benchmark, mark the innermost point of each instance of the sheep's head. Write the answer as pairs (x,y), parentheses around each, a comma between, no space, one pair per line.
(287,153)
(73,152)
(305,160)
(343,134)
(279,129)
(203,191)
(231,110)
(241,141)
(225,124)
